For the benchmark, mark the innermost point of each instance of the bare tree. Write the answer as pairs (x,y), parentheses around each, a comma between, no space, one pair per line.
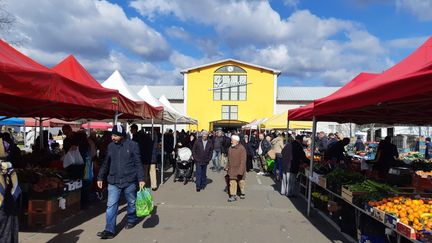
(7,22)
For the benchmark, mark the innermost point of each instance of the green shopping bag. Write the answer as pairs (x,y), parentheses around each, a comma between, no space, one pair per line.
(144,203)
(270,165)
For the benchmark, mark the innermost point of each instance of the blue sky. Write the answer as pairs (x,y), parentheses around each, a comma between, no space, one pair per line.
(150,41)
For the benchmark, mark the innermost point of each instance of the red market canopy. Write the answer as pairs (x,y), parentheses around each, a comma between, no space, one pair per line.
(400,95)
(31,122)
(97,125)
(307,112)
(29,89)
(73,70)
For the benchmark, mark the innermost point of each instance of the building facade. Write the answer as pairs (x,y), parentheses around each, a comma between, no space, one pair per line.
(228,94)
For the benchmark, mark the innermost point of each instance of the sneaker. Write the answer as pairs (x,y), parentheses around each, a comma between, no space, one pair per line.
(232,199)
(104,235)
(260,173)
(129,226)
(242,196)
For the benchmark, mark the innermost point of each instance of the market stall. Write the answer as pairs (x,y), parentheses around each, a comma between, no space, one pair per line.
(400,95)
(279,122)
(50,192)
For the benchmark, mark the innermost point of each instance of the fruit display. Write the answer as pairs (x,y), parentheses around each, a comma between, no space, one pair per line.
(339,177)
(416,213)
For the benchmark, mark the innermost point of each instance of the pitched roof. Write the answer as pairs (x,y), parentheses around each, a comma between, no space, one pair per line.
(172,92)
(286,93)
(230,60)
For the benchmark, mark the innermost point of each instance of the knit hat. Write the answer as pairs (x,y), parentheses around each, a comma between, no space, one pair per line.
(235,138)
(119,130)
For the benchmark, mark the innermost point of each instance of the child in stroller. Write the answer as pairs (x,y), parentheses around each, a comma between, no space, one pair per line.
(184,165)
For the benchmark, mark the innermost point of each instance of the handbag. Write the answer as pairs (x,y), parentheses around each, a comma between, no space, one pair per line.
(271,153)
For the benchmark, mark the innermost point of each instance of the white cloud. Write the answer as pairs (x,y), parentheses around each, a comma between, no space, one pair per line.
(84,27)
(292,3)
(302,46)
(406,43)
(420,8)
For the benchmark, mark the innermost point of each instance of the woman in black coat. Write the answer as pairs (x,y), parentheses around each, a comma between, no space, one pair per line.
(249,152)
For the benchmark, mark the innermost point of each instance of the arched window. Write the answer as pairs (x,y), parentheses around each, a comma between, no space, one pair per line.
(230,69)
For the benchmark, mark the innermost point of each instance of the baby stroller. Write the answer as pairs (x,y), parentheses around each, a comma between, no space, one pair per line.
(184,166)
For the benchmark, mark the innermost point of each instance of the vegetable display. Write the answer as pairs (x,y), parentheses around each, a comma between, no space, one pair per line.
(339,177)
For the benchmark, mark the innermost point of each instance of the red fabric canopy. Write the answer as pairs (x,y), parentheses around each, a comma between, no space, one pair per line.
(306,112)
(400,95)
(72,69)
(29,89)
(97,125)
(31,122)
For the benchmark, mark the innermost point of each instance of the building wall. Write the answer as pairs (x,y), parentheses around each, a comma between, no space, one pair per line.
(201,106)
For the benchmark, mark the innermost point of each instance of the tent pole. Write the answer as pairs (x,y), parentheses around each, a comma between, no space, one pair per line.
(35,131)
(152,128)
(175,134)
(115,118)
(314,125)
(25,140)
(41,138)
(162,153)
(287,140)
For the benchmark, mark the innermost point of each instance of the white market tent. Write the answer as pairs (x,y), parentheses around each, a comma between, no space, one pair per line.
(116,81)
(255,124)
(168,117)
(181,119)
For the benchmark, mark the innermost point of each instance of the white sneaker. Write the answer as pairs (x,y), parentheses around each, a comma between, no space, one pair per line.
(260,173)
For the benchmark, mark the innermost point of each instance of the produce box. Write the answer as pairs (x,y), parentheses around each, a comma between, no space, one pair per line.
(390,220)
(379,214)
(406,230)
(43,219)
(43,206)
(349,195)
(322,181)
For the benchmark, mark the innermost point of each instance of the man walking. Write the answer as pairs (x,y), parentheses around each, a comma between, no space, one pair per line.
(236,167)
(217,151)
(124,169)
(263,147)
(202,152)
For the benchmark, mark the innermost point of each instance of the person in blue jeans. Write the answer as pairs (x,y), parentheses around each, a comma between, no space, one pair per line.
(123,169)
(202,152)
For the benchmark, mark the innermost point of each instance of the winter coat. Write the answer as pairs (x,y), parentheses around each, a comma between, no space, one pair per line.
(277,144)
(249,148)
(287,157)
(236,161)
(200,154)
(122,166)
(298,157)
(265,146)
(226,145)
(147,152)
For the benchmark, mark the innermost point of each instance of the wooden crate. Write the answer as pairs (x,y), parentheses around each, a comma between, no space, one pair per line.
(322,182)
(36,219)
(43,206)
(350,195)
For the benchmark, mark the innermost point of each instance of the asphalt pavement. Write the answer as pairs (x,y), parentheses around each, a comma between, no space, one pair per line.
(183,215)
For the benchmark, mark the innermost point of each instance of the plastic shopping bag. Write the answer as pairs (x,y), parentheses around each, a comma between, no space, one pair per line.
(72,157)
(270,164)
(144,203)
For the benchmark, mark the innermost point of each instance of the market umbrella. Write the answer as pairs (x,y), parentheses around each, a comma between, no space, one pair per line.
(13,121)
(97,125)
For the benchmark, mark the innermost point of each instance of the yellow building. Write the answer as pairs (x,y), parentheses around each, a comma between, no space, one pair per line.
(229,93)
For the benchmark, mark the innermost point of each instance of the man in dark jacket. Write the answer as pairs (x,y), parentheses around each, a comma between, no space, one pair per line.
(202,152)
(292,155)
(124,169)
